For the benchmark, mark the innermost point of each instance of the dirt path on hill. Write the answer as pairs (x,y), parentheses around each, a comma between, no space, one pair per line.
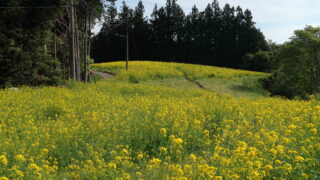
(198,84)
(104,75)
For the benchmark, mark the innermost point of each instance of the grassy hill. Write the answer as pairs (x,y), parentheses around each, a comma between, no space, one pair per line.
(238,83)
(156,122)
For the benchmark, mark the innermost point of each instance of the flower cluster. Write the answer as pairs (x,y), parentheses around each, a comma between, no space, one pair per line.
(120,130)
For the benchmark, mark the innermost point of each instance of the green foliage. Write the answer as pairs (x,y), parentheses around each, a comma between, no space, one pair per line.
(298,73)
(34,41)
(119,130)
(260,61)
(216,36)
(53,112)
(237,83)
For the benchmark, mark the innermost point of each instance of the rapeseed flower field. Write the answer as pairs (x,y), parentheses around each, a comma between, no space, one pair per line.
(146,70)
(117,129)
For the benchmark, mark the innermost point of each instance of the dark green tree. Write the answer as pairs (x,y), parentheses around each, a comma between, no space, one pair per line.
(298,73)
(33,40)
(221,37)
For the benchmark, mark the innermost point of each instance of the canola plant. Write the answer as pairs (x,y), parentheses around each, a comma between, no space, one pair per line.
(116,129)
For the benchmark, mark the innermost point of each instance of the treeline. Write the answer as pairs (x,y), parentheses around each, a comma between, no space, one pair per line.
(297,70)
(216,36)
(35,39)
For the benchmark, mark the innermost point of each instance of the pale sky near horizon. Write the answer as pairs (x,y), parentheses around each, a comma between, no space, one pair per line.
(277,19)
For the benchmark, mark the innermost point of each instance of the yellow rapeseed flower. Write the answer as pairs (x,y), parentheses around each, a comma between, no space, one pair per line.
(292,126)
(178,141)
(20,158)
(34,167)
(317,146)
(155,161)
(163,150)
(126,176)
(305,176)
(314,131)
(112,165)
(125,152)
(278,162)
(287,167)
(3,160)
(163,132)
(268,167)
(299,159)
(140,156)
(193,158)
(206,133)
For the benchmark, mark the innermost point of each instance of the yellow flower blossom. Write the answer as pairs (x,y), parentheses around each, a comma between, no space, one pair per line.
(178,141)
(112,165)
(34,167)
(155,161)
(268,167)
(193,157)
(206,133)
(299,159)
(20,158)
(163,132)
(163,150)
(3,160)
(287,167)
(122,129)
(278,162)
(140,156)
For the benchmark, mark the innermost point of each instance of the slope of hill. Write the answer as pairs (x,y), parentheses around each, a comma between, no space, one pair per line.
(129,128)
(238,83)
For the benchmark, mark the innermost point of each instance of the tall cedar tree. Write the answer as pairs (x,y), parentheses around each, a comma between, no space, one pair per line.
(33,41)
(216,36)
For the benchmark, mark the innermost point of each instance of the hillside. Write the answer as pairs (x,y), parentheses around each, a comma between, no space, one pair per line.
(158,121)
(238,83)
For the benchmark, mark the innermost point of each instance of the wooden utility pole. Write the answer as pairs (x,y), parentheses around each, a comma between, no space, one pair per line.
(85,45)
(72,67)
(89,45)
(77,49)
(127,60)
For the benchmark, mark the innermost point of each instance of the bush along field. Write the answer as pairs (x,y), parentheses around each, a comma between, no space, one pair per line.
(130,128)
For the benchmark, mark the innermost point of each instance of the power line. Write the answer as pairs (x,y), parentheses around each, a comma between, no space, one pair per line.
(85,4)
(35,7)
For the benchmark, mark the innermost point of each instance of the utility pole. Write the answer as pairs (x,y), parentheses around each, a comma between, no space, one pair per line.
(127,61)
(77,48)
(89,44)
(72,66)
(85,71)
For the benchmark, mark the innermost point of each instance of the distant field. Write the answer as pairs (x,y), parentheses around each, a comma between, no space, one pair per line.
(158,121)
(238,83)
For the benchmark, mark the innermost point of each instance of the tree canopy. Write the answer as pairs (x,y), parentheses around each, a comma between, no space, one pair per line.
(298,72)
(34,36)
(216,36)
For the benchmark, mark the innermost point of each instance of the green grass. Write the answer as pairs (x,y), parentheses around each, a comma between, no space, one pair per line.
(237,83)
(241,87)
(154,122)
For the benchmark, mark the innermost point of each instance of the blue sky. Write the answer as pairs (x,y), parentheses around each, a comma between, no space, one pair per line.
(277,19)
